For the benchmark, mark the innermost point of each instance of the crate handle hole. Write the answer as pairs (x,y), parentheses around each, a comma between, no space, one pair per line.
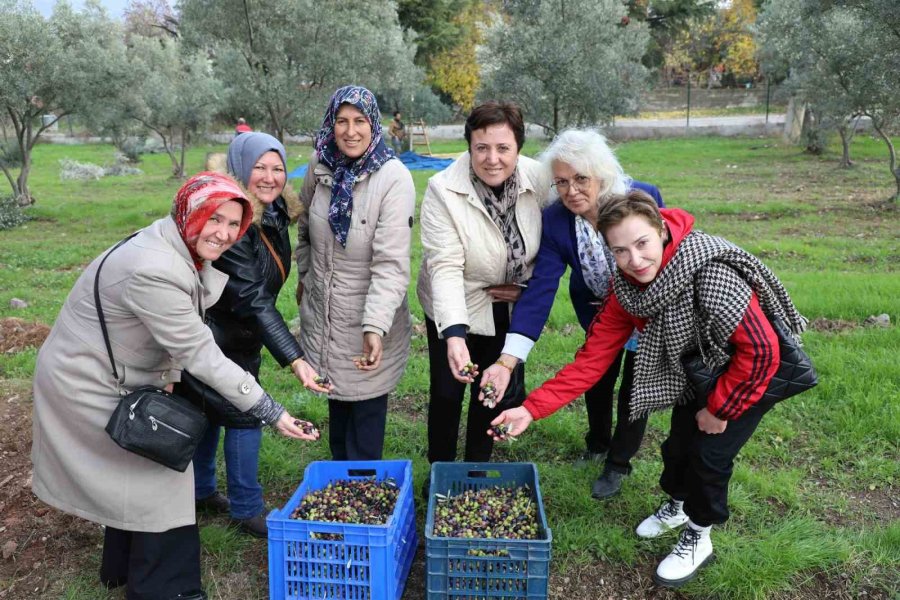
(484,474)
(326,536)
(361,473)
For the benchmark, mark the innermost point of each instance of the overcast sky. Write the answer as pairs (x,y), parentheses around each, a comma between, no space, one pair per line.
(113,7)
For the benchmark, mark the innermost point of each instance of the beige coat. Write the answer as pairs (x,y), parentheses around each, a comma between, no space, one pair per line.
(150,294)
(463,250)
(360,287)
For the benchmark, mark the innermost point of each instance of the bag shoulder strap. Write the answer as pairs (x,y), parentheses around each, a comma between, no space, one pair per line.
(274,254)
(109,351)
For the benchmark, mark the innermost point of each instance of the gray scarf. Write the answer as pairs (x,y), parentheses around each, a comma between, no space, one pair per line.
(697,300)
(502,211)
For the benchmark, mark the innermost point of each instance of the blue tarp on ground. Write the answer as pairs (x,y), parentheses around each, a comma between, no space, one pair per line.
(413,162)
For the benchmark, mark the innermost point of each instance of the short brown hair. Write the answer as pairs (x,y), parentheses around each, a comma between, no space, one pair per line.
(496,113)
(618,207)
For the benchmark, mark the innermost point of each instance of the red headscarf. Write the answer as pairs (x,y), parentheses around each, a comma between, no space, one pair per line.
(198,199)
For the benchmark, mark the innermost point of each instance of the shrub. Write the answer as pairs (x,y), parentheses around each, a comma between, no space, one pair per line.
(72,169)
(11,214)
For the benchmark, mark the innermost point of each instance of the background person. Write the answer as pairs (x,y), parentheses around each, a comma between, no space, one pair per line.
(154,289)
(585,173)
(242,127)
(353,262)
(243,321)
(397,131)
(684,290)
(481,228)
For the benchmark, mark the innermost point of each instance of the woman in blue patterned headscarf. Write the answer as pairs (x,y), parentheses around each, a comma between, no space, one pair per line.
(348,151)
(353,261)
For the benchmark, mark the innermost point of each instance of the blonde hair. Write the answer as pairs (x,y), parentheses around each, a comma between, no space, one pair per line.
(619,207)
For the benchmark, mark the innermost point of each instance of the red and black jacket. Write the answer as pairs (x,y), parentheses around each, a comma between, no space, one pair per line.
(755,360)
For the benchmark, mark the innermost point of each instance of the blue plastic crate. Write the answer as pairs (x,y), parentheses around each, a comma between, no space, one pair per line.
(367,562)
(512,568)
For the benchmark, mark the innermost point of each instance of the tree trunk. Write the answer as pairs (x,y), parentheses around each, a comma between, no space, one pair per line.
(893,154)
(846,136)
(555,114)
(183,146)
(12,181)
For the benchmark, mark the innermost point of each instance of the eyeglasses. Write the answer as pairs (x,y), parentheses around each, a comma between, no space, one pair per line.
(580,183)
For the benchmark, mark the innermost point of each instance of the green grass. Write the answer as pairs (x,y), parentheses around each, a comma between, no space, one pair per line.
(813,495)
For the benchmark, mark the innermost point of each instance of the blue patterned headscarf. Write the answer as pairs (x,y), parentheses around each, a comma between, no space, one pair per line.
(346,171)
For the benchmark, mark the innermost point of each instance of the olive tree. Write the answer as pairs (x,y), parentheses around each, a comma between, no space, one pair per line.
(841,57)
(566,62)
(176,93)
(281,60)
(53,67)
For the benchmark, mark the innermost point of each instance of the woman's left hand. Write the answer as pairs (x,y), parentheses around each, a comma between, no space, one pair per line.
(290,427)
(709,423)
(372,352)
(507,292)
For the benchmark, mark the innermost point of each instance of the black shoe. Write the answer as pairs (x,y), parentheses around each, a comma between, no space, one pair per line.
(215,504)
(607,485)
(587,458)
(255,526)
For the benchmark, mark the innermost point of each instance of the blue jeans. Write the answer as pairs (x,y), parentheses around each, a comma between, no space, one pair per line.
(241,468)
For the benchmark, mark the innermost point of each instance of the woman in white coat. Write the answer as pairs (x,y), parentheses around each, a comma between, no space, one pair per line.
(481,228)
(154,290)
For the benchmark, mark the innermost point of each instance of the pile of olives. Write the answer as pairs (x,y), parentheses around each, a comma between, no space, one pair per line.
(361,501)
(489,513)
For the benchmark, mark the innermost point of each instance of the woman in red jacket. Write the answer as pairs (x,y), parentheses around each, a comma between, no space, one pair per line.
(683,289)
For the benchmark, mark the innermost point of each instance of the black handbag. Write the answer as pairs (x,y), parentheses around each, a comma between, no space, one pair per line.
(148,421)
(795,372)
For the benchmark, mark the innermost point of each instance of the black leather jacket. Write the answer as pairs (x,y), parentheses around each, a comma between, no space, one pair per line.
(245,318)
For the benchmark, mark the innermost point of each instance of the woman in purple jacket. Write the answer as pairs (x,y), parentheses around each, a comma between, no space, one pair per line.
(585,171)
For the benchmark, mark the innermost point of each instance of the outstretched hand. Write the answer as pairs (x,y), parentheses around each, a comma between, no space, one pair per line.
(290,427)
(460,363)
(308,377)
(516,421)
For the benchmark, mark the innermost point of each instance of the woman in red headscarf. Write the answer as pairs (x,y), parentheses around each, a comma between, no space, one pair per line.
(154,290)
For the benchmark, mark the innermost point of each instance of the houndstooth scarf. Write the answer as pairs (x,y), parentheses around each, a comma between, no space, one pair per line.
(503,213)
(697,300)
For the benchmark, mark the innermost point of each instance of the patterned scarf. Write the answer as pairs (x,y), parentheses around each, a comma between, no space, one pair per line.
(502,211)
(697,300)
(347,171)
(593,257)
(198,199)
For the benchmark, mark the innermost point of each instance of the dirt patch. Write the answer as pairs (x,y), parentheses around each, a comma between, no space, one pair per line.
(45,548)
(17,335)
(832,325)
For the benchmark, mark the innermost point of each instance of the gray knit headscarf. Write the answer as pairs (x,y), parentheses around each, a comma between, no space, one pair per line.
(245,150)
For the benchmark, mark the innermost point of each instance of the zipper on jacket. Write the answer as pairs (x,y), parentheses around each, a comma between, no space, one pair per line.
(154,422)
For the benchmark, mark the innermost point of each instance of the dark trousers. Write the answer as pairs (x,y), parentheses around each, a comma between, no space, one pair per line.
(356,429)
(622,445)
(155,566)
(447,394)
(697,466)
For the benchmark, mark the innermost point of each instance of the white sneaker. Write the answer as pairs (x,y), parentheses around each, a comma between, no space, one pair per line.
(693,550)
(670,515)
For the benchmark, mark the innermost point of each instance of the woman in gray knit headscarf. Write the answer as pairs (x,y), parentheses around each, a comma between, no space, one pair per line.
(243,321)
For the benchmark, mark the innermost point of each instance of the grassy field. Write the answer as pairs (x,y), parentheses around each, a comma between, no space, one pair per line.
(814,495)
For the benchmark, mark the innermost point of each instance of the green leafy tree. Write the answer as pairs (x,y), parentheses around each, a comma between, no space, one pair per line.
(176,94)
(841,58)
(57,67)
(282,59)
(566,62)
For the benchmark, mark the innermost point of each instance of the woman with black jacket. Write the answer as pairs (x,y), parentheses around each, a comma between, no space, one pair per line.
(243,321)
